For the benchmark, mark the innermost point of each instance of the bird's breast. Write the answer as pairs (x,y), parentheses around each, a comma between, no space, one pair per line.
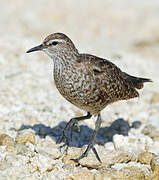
(77,85)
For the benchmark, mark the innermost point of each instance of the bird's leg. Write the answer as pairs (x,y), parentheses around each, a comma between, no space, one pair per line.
(73,122)
(73,129)
(91,143)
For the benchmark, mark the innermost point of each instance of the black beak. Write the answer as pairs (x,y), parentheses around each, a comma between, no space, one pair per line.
(36,48)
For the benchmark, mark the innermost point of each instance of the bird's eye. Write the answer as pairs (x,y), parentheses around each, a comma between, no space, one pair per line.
(54,43)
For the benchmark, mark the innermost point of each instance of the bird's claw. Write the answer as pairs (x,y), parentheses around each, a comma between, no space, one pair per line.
(64,145)
(61,138)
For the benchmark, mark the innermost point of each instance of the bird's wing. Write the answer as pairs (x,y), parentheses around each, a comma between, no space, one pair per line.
(117,84)
(112,73)
(102,66)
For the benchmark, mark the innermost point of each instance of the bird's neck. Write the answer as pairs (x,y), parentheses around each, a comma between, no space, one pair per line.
(64,63)
(66,59)
(63,70)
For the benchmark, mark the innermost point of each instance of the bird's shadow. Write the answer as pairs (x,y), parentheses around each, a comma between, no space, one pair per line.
(82,137)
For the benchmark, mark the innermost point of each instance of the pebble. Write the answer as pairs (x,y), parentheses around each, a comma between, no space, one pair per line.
(155,164)
(85,175)
(125,173)
(67,160)
(151,131)
(41,163)
(108,158)
(25,136)
(145,157)
(6,140)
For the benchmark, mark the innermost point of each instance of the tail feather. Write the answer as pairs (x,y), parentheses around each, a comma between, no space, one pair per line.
(137,82)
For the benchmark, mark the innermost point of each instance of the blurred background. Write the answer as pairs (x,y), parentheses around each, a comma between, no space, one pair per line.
(101,27)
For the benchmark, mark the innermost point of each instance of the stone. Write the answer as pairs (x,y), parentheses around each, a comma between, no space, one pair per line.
(17,149)
(145,157)
(42,163)
(6,140)
(125,173)
(151,131)
(11,149)
(67,160)
(155,164)
(48,146)
(108,158)
(85,175)
(132,173)
(26,136)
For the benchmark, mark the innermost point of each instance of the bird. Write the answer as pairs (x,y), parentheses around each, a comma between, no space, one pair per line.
(87,81)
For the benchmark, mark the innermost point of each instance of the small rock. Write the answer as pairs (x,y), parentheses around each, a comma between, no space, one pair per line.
(91,161)
(125,173)
(10,159)
(85,175)
(67,160)
(49,146)
(108,158)
(21,149)
(145,157)
(11,149)
(6,140)
(151,131)
(154,148)
(46,153)
(109,146)
(17,149)
(119,156)
(131,173)
(148,129)
(30,146)
(42,163)
(26,136)
(155,164)
(68,167)
(119,141)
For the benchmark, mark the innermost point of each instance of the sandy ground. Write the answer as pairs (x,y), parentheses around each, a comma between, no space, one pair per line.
(33,113)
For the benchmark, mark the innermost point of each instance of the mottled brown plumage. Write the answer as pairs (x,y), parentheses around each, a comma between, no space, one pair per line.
(87,81)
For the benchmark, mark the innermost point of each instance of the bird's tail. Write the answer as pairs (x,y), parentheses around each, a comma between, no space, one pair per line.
(138,82)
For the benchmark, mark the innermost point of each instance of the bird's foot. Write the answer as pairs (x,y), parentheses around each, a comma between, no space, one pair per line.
(66,143)
(62,137)
(86,153)
(65,146)
(73,123)
(91,144)
(74,127)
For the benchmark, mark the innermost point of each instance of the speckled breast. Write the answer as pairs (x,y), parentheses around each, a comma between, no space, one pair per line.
(79,87)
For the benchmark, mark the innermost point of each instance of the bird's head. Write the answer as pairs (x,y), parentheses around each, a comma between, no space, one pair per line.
(56,45)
